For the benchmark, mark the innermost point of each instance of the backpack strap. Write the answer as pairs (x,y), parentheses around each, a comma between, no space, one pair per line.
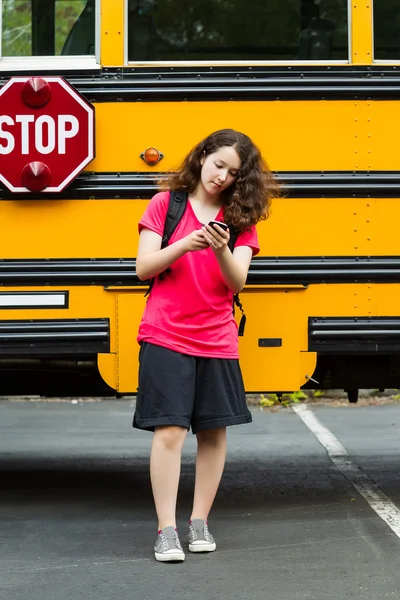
(176,207)
(236,301)
(242,323)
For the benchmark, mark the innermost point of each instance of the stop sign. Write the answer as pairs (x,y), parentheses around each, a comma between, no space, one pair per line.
(46,134)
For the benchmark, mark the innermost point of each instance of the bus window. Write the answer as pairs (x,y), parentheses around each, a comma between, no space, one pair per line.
(386,30)
(208,30)
(48,27)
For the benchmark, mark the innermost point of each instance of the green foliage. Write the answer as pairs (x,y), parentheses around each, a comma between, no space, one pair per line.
(67,13)
(17,24)
(297,396)
(210,29)
(17,33)
(286,400)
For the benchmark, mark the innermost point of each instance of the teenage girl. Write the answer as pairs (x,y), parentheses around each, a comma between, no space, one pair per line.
(189,374)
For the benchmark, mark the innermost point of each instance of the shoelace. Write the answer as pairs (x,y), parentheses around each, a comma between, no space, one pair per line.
(193,532)
(177,541)
(165,544)
(207,535)
(164,541)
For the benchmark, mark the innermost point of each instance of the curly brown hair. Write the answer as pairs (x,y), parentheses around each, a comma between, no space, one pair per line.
(248,199)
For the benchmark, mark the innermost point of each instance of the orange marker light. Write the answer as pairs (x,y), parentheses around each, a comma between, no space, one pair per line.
(151,156)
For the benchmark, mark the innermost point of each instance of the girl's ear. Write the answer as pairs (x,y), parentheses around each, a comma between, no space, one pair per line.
(203,158)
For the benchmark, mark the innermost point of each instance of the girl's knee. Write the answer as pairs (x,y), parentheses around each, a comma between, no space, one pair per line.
(212,437)
(170,437)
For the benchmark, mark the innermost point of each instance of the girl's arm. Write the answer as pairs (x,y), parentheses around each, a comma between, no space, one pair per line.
(152,260)
(234,267)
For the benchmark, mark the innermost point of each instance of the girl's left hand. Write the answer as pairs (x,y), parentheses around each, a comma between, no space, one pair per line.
(216,237)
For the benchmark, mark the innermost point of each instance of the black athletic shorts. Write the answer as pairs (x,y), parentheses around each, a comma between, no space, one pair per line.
(188,391)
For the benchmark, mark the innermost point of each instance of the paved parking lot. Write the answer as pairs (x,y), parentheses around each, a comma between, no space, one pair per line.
(77,517)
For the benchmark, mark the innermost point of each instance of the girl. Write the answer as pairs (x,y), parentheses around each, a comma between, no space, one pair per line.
(189,375)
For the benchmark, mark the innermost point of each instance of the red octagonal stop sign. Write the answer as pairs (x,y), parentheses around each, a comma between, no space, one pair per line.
(46,134)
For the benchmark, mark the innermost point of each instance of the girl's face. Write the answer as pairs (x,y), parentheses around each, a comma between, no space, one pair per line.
(220,170)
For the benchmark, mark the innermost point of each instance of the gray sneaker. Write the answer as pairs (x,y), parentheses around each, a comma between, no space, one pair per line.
(168,547)
(200,539)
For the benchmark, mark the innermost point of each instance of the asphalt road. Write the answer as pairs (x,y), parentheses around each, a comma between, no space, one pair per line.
(77,517)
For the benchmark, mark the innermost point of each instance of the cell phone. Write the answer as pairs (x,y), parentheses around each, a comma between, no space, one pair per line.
(223,226)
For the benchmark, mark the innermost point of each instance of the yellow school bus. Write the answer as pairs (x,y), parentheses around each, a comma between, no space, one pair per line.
(316,85)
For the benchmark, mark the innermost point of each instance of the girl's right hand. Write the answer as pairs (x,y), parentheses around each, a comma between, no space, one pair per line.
(196,241)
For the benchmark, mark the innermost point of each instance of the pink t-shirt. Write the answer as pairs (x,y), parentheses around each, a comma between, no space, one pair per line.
(189,310)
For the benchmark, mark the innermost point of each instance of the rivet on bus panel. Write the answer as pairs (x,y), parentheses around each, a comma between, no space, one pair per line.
(151,156)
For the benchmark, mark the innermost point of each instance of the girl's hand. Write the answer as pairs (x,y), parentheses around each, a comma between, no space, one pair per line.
(195,241)
(216,237)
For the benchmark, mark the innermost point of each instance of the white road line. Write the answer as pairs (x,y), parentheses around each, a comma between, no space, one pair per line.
(377,500)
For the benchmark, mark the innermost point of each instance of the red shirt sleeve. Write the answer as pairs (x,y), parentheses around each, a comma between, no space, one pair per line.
(155,213)
(249,238)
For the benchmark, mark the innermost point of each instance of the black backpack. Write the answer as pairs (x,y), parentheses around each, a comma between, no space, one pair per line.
(177,206)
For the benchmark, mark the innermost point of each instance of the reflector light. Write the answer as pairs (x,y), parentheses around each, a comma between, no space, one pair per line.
(151,156)
(36,92)
(36,176)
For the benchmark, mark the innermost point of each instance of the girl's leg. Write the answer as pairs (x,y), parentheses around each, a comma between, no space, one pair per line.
(165,468)
(210,461)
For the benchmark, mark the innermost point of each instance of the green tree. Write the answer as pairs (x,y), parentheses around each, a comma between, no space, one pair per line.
(17,28)
(17,24)
(67,13)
